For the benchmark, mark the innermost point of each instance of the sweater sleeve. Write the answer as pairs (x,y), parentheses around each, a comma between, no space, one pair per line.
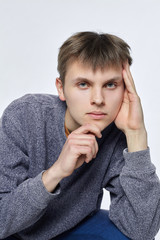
(135,195)
(23,200)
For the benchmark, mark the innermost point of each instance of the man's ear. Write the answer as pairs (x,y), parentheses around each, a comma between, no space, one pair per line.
(59,86)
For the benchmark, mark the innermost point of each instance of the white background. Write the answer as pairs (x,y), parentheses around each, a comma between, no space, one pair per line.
(31,31)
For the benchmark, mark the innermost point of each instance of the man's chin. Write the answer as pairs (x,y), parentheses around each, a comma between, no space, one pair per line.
(99,124)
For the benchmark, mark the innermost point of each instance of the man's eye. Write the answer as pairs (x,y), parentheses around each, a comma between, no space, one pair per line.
(82,85)
(110,85)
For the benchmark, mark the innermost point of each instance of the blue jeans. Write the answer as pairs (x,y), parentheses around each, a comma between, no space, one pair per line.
(96,227)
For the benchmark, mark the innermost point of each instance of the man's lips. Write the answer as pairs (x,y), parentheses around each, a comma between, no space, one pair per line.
(97,115)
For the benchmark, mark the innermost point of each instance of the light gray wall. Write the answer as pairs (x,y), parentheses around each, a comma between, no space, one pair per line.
(31,31)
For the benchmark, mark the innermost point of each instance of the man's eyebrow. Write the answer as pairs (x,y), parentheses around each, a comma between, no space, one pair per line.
(80,79)
(117,78)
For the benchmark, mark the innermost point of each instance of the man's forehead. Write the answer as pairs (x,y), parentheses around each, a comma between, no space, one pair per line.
(79,65)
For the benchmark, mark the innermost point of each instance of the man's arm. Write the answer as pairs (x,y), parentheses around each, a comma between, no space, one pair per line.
(135,191)
(24,198)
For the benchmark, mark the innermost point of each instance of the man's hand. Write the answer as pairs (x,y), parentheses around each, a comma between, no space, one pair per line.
(81,146)
(130,117)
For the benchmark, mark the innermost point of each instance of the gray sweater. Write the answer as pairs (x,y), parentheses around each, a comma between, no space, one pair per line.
(31,138)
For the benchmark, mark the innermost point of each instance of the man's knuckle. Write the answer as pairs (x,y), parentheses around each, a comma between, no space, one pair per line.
(70,141)
(89,150)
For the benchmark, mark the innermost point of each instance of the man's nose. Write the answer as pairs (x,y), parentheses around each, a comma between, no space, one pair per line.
(97,97)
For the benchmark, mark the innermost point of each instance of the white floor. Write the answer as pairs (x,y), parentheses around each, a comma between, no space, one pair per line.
(105,205)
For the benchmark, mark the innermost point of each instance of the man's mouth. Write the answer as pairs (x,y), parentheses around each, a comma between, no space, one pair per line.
(97,115)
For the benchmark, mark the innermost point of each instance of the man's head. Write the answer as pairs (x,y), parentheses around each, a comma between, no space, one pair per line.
(91,82)
(93,49)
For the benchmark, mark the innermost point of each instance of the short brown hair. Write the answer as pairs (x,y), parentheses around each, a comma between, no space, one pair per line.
(97,50)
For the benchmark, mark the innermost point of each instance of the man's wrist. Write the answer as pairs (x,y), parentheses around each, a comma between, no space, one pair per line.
(136,140)
(51,178)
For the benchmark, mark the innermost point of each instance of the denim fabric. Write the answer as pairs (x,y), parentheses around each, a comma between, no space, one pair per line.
(96,227)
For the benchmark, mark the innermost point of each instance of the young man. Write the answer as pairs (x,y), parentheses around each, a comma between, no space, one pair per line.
(58,153)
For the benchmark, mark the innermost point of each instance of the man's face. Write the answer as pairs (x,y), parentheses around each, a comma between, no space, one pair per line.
(91,97)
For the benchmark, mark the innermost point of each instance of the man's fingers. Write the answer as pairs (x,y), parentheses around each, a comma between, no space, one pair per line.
(89,129)
(84,140)
(86,152)
(128,79)
(82,136)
